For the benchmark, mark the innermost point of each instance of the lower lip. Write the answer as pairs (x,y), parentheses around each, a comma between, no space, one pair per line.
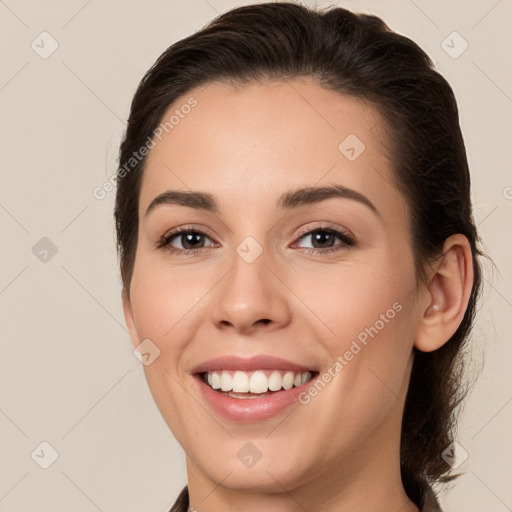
(248,410)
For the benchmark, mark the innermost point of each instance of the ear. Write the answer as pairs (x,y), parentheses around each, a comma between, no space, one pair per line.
(448,292)
(128,317)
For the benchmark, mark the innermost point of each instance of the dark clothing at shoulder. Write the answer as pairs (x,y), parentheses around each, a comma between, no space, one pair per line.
(430,503)
(182,503)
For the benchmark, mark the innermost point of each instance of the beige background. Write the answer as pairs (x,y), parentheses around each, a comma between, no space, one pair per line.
(68,375)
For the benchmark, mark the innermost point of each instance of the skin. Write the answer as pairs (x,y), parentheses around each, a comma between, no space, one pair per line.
(246,146)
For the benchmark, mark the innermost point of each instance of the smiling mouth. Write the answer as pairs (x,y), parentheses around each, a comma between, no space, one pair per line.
(254,384)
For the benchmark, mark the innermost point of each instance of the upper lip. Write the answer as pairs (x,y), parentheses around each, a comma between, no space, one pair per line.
(258,362)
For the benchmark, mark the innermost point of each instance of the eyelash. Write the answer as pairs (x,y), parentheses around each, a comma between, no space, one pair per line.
(165,241)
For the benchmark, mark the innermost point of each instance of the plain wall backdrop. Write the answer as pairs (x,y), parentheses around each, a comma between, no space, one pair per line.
(68,374)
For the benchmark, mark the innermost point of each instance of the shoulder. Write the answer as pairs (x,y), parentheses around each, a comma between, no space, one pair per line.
(430,502)
(182,503)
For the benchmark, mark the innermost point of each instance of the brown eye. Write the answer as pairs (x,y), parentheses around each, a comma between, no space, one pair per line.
(191,240)
(324,240)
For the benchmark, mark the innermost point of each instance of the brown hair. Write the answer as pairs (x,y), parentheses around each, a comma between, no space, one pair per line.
(357,55)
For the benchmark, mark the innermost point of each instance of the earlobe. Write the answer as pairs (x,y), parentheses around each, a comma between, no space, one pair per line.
(449,289)
(128,317)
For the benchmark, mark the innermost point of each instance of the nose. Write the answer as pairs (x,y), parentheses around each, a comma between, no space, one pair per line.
(251,296)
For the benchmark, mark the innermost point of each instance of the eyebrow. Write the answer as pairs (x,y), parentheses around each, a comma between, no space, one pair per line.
(288,200)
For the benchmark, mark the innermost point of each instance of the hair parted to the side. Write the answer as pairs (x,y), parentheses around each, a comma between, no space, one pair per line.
(358,55)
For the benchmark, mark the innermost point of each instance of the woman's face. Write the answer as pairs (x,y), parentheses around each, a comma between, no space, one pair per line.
(267,280)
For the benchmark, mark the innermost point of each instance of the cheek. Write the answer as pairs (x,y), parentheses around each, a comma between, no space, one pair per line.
(167,302)
(165,299)
(350,296)
(369,315)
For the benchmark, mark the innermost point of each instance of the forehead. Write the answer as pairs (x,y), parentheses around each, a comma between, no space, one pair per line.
(255,140)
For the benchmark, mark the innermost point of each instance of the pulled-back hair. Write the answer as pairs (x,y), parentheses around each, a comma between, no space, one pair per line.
(356,55)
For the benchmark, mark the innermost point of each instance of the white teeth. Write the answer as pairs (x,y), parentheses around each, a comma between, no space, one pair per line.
(226,381)
(240,382)
(215,380)
(275,381)
(288,380)
(258,382)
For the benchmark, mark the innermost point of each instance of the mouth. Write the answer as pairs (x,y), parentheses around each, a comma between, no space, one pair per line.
(254,384)
(252,396)
(245,389)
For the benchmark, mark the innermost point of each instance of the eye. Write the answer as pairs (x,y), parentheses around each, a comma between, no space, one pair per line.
(191,240)
(324,240)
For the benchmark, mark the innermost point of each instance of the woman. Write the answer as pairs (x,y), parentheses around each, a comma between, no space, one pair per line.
(299,260)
